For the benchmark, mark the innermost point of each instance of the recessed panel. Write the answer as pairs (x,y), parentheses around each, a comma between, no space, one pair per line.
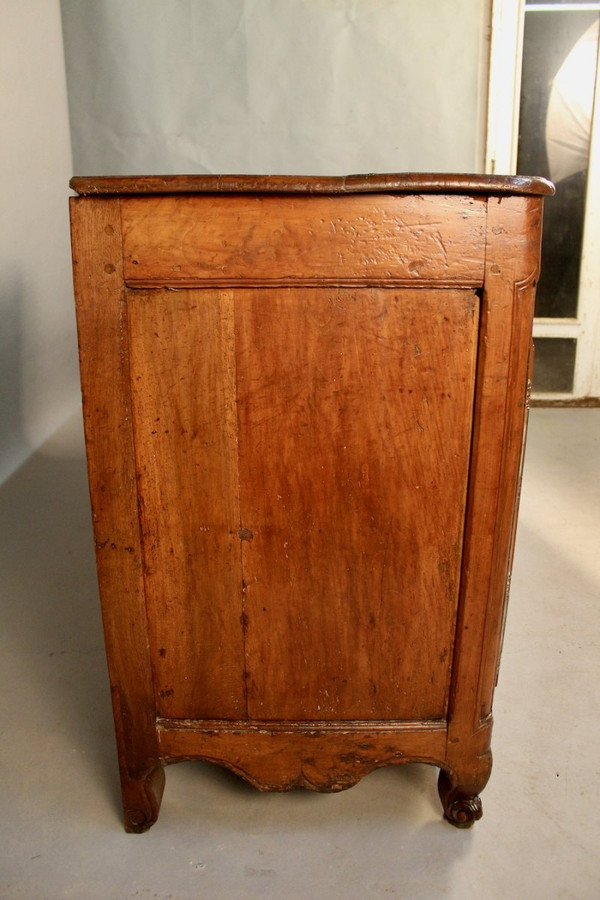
(184,417)
(354,412)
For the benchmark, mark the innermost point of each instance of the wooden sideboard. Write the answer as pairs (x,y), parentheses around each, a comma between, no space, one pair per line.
(305,403)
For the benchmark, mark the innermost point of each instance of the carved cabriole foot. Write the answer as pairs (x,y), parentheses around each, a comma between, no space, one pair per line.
(141,800)
(462,804)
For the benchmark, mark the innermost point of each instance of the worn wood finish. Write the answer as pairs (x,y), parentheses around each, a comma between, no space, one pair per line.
(512,260)
(331,365)
(405,183)
(304,450)
(185,426)
(354,424)
(104,364)
(312,756)
(257,239)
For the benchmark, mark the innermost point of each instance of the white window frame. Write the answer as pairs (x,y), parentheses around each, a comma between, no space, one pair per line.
(506,51)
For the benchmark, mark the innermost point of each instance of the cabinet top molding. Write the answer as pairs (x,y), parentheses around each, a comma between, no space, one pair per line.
(404,183)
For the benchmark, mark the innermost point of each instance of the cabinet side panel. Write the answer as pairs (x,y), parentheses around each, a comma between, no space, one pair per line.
(354,414)
(104,363)
(183,389)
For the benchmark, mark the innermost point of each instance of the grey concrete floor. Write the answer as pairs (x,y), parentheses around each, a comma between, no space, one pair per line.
(60,828)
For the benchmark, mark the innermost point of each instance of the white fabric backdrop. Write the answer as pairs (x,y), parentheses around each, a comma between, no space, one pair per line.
(276,86)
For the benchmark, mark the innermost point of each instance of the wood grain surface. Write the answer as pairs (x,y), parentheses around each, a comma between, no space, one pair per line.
(184,417)
(251,239)
(332,548)
(105,372)
(354,430)
(406,182)
(276,758)
(305,403)
(512,261)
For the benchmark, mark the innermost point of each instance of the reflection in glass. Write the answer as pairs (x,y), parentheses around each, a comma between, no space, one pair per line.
(569,117)
(559,68)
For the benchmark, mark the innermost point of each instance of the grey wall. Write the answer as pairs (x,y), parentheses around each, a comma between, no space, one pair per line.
(276,86)
(38,374)
(166,86)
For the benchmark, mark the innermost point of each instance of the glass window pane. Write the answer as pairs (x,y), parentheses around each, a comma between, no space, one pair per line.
(554,365)
(559,70)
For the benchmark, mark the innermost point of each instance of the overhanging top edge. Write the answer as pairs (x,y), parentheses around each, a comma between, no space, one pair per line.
(311,184)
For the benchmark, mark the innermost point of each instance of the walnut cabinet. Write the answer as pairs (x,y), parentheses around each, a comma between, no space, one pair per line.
(305,403)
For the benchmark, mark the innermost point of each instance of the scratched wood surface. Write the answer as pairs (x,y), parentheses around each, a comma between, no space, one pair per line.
(235,239)
(274,758)
(343,549)
(354,424)
(105,372)
(184,414)
(296,406)
(402,182)
(512,268)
